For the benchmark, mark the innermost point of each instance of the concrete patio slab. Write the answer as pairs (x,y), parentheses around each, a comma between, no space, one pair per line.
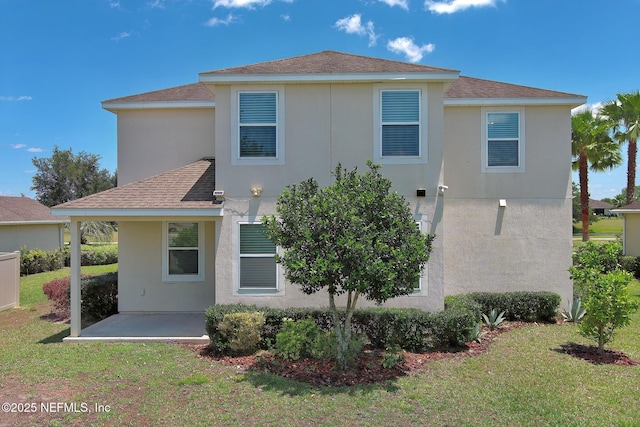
(146,327)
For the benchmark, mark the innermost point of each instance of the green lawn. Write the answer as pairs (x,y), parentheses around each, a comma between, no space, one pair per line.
(605,226)
(523,380)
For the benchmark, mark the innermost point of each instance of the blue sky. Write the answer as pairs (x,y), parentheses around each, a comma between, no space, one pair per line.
(60,59)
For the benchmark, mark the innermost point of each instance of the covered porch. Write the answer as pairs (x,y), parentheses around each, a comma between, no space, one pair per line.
(167,240)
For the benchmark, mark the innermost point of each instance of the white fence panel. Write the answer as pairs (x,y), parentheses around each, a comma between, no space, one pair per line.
(9,280)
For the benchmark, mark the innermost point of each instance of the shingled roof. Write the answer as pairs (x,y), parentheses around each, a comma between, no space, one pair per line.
(24,209)
(188,187)
(330,62)
(470,87)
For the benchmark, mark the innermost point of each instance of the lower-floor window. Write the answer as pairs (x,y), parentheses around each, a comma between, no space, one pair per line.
(257,259)
(183,251)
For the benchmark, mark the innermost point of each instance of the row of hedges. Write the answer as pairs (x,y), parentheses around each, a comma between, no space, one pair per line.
(99,295)
(38,261)
(409,329)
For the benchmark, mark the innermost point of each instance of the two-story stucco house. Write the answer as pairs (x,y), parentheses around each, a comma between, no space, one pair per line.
(484,165)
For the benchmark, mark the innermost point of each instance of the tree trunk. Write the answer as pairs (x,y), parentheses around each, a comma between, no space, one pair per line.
(584,194)
(631,171)
(343,331)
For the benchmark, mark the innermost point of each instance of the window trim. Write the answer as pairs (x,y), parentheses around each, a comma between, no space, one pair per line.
(253,291)
(236,159)
(166,277)
(485,141)
(422,157)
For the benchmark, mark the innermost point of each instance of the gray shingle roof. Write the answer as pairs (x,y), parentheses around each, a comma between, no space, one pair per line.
(187,187)
(329,62)
(23,209)
(470,87)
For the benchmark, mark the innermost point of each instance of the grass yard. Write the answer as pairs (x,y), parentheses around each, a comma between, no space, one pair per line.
(524,379)
(608,227)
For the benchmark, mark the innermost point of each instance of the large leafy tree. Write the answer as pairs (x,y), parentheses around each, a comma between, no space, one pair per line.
(66,176)
(592,148)
(352,238)
(624,116)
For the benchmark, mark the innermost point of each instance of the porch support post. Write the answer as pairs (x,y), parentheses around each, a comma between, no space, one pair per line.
(76,321)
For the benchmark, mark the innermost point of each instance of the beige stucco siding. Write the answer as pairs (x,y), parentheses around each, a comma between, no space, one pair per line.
(155,141)
(632,234)
(140,285)
(47,237)
(527,244)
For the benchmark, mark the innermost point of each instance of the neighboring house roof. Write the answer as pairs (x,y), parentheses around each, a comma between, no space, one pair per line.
(631,208)
(23,210)
(185,191)
(599,204)
(195,95)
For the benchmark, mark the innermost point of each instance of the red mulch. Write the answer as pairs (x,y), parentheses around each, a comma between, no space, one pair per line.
(367,370)
(590,354)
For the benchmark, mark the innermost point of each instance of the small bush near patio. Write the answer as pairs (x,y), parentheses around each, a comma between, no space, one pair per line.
(242,331)
(35,261)
(99,295)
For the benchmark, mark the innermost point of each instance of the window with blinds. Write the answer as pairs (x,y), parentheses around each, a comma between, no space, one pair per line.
(400,121)
(503,139)
(258,121)
(183,258)
(257,258)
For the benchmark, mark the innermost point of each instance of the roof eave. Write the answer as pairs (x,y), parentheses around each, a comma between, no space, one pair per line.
(624,211)
(157,105)
(132,212)
(328,77)
(472,102)
(37,222)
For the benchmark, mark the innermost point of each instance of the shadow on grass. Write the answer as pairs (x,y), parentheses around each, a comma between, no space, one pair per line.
(56,338)
(289,387)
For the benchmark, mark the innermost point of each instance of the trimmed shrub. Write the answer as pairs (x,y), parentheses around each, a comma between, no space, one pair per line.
(38,261)
(603,256)
(99,295)
(214,315)
(463,302)
(631,264)
(526,306)
(99,254)
(242,331)
(296,337)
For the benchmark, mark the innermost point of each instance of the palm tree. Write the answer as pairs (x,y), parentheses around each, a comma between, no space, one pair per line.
(592,148)
(624,116)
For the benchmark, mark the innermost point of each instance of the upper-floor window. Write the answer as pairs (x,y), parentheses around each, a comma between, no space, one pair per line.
(503,142)
(258,126)
(399,125)
(400,122)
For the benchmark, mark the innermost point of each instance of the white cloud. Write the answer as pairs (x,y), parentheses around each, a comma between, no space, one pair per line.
(30,171)
(156,4)
(286,18)
(35,150)
(406,46)
(247,4)
(122,35)
(15,98)
(402,3)
(353,25)
(214,22)
(114,4)
(453,6)
(595,108)
(18,146)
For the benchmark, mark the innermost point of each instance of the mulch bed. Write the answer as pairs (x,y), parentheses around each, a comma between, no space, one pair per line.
(590,354)
(368,368)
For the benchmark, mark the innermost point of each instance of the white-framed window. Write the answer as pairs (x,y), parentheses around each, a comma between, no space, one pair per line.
(399,125)
(257,126)
(503,140)
(183,251)
(258,271)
